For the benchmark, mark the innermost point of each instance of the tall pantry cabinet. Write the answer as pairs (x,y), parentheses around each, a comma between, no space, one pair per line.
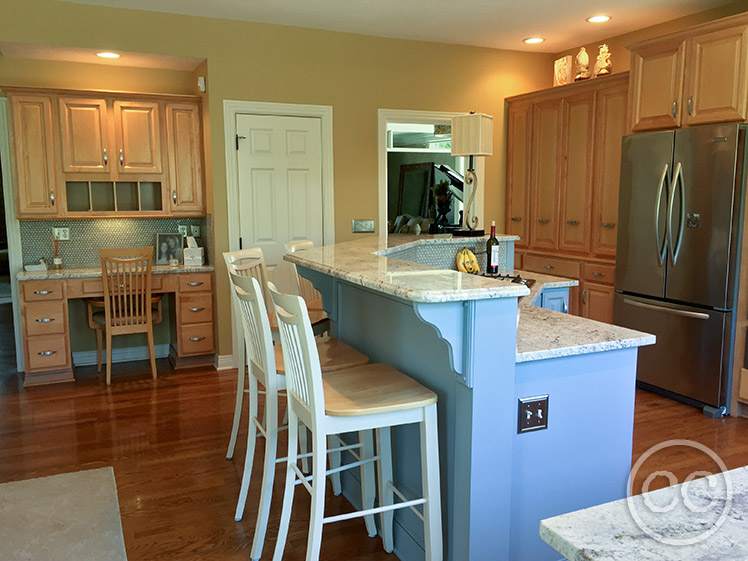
(563,161)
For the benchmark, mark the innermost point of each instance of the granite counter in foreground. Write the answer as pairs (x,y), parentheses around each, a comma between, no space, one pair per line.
(609,532)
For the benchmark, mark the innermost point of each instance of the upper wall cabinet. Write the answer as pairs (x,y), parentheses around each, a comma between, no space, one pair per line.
(692,77)
(113,155)
(34,162)
(519,146)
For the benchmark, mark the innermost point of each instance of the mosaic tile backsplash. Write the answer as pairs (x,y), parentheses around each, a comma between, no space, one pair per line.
(87,236)
(442,255)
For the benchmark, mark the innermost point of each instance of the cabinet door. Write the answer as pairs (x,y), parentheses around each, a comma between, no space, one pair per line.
(84,135)
(657,86)
(519,147)
(576,174)
(185,157)
(546,152)
(138,133)
(716,82)
(597,302)
(556,299)
(34,167)
(610,126)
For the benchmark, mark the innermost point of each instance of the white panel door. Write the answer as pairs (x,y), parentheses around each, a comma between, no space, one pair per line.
(280,185)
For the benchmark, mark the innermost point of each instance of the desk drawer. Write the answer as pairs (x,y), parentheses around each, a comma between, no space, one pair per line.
(47,352)
(196,339)
(44,318)
(551,266)
(196,282)
(34,291)
(596,272)
(196,308)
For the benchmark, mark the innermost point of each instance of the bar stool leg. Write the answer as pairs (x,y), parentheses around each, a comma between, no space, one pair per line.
(268,474)
(386,496)
(317,511)
(239,404)
(337,487)
(368,481)
(432,530)
(251,440)
(289,486)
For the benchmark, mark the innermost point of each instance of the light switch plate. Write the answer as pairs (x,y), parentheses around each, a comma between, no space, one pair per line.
(62,234)
(363,225)
(195,231)
(532,413)
(182,229)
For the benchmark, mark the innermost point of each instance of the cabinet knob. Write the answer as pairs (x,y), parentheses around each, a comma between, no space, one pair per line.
(674,110)
(121,157)
(609,224)
(573,222)
(543,221)
(549,267)
(516,219)
(106,158)
(196,338)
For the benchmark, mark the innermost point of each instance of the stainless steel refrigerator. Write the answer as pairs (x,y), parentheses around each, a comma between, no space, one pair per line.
(680,216)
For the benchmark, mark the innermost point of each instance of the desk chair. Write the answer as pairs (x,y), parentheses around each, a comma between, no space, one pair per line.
(128,305)
(304,287)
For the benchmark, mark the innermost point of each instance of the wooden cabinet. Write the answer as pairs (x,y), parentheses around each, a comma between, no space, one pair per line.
(610,127)
(34,161)
(195,315)
(597,301)
(183,133)
(716,76)
(656,87)
(545,176)
(578,129)
(556,299)
(84,135)
(519,147)
(137,126)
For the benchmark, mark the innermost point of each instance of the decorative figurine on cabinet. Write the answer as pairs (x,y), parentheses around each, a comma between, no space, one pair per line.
(603,65)
(583,65)
(562,70)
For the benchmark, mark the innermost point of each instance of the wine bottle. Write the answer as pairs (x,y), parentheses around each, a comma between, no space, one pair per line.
(492,252)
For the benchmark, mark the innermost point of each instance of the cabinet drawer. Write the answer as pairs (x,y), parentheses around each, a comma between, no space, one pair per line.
(44,318)
(95,287)
(196,308)
(597,272)
(196,339)
(41,290)
(47,352)
(197,282)
(551,266)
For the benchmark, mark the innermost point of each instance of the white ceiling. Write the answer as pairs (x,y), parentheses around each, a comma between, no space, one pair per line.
(488,23)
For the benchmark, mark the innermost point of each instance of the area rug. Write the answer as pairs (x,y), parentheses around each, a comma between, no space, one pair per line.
(68,517)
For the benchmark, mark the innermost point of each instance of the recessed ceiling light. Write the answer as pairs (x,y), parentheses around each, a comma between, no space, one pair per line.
(107,54)
(533,40)
(598,19)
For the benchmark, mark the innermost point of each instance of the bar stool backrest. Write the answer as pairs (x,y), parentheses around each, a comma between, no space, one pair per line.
(258,338)
(304,287)
(303,370)
(126,276)
(249,262)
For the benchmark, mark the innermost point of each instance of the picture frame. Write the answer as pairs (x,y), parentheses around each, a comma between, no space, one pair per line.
(169,246)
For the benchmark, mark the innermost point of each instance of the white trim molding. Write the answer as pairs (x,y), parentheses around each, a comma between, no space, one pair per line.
(232,108)
(386,116)
(223,362)
(15,256)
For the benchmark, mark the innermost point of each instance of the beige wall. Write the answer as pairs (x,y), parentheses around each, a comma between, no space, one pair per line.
(617,45)
(354,74)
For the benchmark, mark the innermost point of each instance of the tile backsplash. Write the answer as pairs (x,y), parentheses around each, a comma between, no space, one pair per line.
(88,235)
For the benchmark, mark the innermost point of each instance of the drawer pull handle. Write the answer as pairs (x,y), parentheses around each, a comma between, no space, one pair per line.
(596,274)
(106,158)
(44,320)
(573,222)
(549,267)
(121,157)
(42,292)
(196,309)
(543,221)
(47,353)
(609,224)
(196,338)
(195,283)
(516,219)
(174,197)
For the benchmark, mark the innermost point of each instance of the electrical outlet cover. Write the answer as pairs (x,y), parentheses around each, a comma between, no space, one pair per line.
(363,225)
(62,234)
(182,230)
(195,231)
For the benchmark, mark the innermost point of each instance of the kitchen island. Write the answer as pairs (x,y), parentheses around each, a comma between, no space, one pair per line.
(397,300)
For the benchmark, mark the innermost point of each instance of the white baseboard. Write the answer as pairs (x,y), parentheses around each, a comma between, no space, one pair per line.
(87,358)
(224,362)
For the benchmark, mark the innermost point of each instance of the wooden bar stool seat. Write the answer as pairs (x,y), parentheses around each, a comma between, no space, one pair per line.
(333,355)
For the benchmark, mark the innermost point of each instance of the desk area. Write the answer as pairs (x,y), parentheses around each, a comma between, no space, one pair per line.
(45,323)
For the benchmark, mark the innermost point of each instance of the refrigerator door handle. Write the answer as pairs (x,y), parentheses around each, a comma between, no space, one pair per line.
(661,244)
(678,186)
(673,311)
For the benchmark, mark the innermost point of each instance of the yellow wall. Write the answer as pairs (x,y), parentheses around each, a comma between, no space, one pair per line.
(617,45)
(354,74)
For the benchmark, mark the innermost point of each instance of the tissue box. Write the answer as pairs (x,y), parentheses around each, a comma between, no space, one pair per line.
(194,256)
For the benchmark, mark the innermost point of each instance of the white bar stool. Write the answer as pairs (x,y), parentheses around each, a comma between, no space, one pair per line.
(264,370)
(304,287)
(374,396)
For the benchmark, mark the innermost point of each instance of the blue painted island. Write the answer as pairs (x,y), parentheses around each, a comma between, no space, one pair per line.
(483,345)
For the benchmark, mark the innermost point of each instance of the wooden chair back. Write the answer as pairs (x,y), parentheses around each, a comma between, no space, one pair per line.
(300,357)
(303,287)
(249,263)
(126,276)
(258,338)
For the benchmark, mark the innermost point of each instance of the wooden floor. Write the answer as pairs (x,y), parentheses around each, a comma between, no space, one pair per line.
(166,441)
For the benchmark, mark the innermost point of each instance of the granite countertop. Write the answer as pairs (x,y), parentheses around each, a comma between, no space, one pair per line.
(91,272)
(710,525)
